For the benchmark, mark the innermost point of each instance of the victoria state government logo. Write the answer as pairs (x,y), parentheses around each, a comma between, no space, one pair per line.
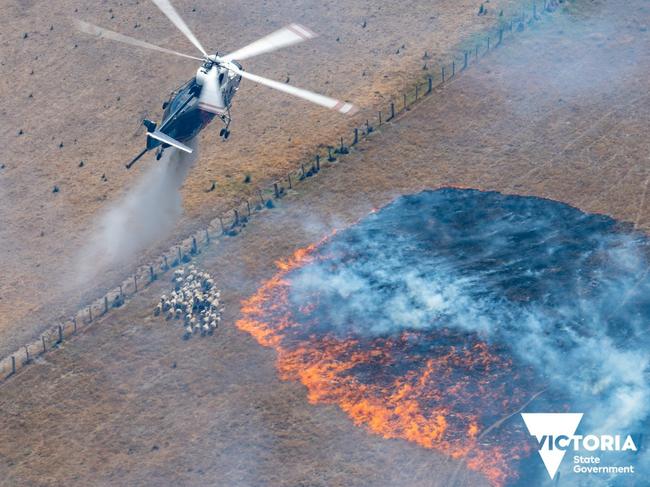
(555,434)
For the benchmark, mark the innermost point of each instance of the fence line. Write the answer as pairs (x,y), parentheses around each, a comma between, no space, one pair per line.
(231,222)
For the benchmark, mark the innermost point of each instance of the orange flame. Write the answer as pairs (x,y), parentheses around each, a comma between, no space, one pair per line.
(429,403)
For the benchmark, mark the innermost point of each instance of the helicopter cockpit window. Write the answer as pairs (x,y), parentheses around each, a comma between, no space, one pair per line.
(178,101)
(221,78)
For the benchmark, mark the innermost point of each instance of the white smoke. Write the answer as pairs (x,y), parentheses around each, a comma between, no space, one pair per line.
(577,316)
(145,214)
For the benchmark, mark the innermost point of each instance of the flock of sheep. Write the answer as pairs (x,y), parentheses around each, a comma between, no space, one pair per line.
(195,299)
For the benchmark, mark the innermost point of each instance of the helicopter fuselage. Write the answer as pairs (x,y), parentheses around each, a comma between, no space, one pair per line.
(182,117)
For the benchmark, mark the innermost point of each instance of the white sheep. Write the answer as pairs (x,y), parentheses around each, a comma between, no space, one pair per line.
(194,299)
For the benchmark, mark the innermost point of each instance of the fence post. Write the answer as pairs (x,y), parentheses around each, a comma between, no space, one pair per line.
(302,168)
(135,282)
(195,247)
(165,261)
(207,236)
(27,359)
(60,334)
(404,95)
(13,364)
(453,68)
(466,61)
(500,36)
(152,276)
(248,203)
(380,118)
(90,313)
(356,136)
(74,324)
(443,74)
(259,192)
(430,87)
(392,110)
(180,255)
(236,216)
(488,42)
(318,162)
(43,340)
(105,304)
(276,190)
(417,89)
(223,229)
(289,180)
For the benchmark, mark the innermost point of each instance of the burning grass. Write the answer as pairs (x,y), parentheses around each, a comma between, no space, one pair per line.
(447,311)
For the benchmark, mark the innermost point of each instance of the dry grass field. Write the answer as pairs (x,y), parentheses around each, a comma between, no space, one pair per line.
(560,113)
(71,98)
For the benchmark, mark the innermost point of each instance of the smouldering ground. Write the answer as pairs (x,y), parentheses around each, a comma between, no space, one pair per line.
(561,114)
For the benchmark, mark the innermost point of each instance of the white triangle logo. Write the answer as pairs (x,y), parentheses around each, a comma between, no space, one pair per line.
(548,426)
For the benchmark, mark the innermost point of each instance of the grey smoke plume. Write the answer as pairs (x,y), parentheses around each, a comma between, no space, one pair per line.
(567,293)
(147,213)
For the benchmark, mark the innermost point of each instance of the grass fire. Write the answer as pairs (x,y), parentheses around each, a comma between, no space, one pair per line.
(439,317)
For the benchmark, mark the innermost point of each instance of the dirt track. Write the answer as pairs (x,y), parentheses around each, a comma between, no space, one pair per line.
(63,87)
(562,113)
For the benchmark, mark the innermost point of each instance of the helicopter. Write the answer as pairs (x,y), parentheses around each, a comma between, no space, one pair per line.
(210,93)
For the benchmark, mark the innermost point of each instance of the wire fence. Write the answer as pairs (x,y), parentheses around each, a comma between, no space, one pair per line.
(230,223)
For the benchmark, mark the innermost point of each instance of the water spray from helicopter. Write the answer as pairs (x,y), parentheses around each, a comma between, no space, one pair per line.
(144,215)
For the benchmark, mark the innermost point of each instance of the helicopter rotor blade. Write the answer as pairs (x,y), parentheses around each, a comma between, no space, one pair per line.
(211,99)
(97,31)
(287,36)
(325,101)
(171,13)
